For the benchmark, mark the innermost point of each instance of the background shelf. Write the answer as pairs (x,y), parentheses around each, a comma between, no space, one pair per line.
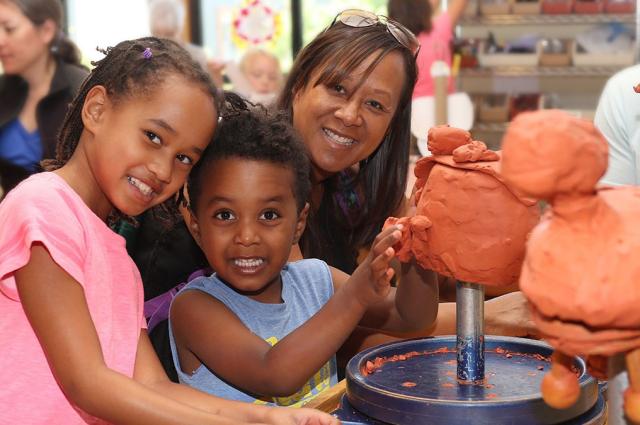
(569,19)
(540,71)
(512,26)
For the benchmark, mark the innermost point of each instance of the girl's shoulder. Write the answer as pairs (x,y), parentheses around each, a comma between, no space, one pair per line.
(45,192)
(46,201)
(42,188)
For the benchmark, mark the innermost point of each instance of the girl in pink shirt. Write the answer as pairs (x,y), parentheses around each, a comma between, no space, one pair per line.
(434,31)
(73,337)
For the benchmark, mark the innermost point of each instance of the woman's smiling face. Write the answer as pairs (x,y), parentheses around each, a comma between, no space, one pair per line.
(343,123)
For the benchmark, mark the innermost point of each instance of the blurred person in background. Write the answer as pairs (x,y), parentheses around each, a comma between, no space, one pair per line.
(434,30)
(257,76)
(618,119)
(166,20)
(42,74)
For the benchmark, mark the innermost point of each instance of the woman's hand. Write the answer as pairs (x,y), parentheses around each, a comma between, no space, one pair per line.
(509,315)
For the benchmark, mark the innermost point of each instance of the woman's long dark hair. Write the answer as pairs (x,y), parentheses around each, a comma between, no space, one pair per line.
(381,179)
(38,11)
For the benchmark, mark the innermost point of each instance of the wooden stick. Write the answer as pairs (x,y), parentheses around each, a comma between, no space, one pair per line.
(329,399)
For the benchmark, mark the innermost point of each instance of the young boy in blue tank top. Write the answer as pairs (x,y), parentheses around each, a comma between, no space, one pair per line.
(262,329)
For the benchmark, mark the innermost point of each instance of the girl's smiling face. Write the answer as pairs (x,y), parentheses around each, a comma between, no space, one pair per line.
(343,123)
(246,223)
(141,149)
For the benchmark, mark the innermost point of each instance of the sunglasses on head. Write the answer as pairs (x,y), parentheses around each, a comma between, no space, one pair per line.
(361,18)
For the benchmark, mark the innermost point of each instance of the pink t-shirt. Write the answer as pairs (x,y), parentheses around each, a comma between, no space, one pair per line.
(434,45)
(45,209)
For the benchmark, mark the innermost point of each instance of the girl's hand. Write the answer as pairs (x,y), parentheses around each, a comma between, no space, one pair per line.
(302,416)
(371,280)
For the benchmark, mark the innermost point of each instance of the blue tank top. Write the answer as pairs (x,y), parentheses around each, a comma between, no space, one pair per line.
(20,147)
(306,287)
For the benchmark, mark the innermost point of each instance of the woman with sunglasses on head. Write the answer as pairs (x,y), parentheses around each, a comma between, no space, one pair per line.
(349,96)
(42,74)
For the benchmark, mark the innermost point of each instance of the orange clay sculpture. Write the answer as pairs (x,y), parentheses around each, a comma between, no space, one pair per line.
(469,224)
(582,267)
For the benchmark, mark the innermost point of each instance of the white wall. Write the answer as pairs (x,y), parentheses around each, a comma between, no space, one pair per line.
(105,23)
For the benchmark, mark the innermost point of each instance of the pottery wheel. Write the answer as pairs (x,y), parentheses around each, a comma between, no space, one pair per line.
(414,382)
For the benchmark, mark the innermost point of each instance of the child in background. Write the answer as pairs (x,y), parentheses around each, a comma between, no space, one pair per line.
(257,77)
(74,348)
(261,329)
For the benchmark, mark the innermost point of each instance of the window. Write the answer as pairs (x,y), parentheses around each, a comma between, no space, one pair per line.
(96,23)
(223,43)
(218,18)
(317,14)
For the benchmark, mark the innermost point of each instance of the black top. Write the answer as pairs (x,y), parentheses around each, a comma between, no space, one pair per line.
(50,112)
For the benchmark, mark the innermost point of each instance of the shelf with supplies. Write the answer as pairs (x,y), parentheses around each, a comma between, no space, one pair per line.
(489,127)
(560,19)
(540,71)
(491,133)
(575,87)
(519,55)
(552,25)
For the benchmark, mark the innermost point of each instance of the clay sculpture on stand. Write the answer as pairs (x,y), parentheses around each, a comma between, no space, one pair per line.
(581,272)
(469,224)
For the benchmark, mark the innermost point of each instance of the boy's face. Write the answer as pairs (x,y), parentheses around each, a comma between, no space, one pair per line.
(246,223)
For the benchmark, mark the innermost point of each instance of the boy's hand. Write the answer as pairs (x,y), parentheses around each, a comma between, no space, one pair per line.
(371,280)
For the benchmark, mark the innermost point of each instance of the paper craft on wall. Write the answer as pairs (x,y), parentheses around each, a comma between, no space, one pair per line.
(256,23)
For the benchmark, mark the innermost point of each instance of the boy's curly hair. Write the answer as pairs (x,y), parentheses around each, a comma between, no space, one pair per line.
(248,131)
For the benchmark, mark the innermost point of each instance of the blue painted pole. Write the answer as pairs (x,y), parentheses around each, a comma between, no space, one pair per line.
(470,332)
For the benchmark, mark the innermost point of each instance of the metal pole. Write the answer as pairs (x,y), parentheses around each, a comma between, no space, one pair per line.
(470,332)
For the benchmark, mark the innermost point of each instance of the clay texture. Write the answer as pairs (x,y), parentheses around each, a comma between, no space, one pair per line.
(469,224)
(582,268)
